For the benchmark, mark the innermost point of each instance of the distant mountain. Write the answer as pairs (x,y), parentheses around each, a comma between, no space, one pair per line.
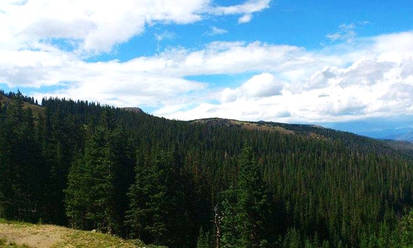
(408,136)
(394,128)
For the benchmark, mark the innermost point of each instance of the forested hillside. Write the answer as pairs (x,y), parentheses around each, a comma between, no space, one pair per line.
(205,183)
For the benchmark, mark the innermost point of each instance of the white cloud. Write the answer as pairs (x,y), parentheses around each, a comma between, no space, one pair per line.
(335,84)
(216,31)
(115,83)
(245,18)
(288,83)
(345,33)
(98,25)
(246,9)
(366,77)
(261,85)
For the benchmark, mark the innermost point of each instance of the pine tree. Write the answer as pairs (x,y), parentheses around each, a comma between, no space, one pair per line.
(122,160)
(90,193)
(78,199)
(230,222)
(253,201)
(147,196)
(246,208)
(157,212)
(20,165)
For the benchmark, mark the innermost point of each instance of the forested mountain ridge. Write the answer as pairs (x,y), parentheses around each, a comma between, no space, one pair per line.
(311,131)
(314,132)
(201,183)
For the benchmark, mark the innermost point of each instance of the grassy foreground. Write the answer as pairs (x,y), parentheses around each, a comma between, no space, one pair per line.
(25,235)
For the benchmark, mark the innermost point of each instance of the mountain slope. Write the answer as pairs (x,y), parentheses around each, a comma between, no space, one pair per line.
(313,132)
(168,182)
(402,146)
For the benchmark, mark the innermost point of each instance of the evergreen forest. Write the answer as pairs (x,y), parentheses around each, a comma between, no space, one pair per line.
(210,183)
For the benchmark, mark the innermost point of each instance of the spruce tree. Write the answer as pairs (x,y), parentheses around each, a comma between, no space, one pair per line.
(90,193)
(246,208)
(78,199)
(20,165)
(147,197)
(157,211)
(230,222)
(122,160)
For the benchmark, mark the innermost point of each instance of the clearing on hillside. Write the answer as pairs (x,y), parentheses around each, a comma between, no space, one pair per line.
(24,235)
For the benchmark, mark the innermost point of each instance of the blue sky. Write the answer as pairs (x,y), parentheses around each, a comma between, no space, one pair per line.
(300,23)
(342,64)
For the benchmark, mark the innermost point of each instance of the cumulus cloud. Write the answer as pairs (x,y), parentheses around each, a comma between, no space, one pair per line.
(334,84)
(115,83)
(261,85)
(368,77)
(98,25)
(288,83)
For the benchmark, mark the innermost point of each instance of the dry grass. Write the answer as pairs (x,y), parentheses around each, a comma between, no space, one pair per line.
(23,235)
(7,244)
(245,125)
